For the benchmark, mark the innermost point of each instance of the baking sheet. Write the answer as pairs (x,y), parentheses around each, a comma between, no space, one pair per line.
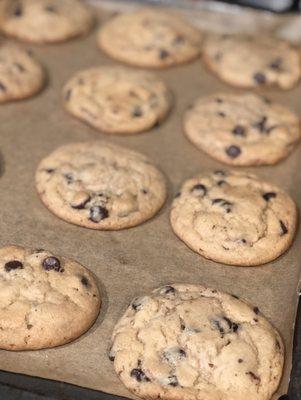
(131,262)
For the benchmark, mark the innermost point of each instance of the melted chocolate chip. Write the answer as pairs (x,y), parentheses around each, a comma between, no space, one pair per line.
(173,380)
(239,130)
(84,281)
(223,203)
(199,189)
(12,265)
(233,151)
(276,64)
(81,205)
(259,78)
(50,263)
(139,375)
(98,213)
(269,195)
(253,376)
(163,54)
(136,112)
(284,229)
(2,87)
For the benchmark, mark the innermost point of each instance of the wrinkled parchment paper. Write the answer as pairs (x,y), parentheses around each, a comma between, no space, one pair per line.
(131,262)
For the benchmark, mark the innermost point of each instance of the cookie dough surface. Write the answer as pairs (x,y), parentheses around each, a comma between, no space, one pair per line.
(242,129)
(234,218)
(21,75)
(190,342)
(45,300)
(117,100)
(45,21)
(252,61)
(100,186)
(150,38)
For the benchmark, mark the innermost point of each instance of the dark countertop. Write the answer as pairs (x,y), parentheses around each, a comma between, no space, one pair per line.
(21,387)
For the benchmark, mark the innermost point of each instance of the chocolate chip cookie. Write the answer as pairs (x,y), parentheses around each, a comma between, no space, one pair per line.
(117,100)
(45,300)
(242,129)
(21,75)
(100,186)
(190,342)
(252,61)
(150,38)
(45,21)
(234,218)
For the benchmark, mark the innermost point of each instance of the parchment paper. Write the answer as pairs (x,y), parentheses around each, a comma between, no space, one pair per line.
(131,262)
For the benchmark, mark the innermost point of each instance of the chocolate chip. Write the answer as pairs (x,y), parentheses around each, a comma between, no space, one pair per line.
(218,100)
(233,151)
(284,229)
(81,205)
(39,250)
(223,203)
(174,354)
(50,8)
(136,304)
(240,360)
(253,376)
(284,397)
(178,39)
(199,189)
(269,195)
(163,54)
(276,64)
(278,344)
(261,125)
(178,194)
(18,10)
(144,191)
(239,130)
(29,326)
(168,290)
(11,265)
(136,112)
(221,114)
(221,182)
(259,78)
(256,310)
(69,178)
(211,365)
(111,358)
(2,87)
(50,263)
(84,281)
(139,375)
(173,380)
(235,297)
(225,325)
(98,213)
(49,170)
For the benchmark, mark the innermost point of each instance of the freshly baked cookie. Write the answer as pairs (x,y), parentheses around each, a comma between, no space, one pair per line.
(150,38)
(45,21)
(234,218)
(117,100)
(190,342)
(21,75)
(45,300)
(242,129)
(252,61)
(100,186)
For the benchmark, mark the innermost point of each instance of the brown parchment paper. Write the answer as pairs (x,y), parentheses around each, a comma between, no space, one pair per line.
(131,262)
